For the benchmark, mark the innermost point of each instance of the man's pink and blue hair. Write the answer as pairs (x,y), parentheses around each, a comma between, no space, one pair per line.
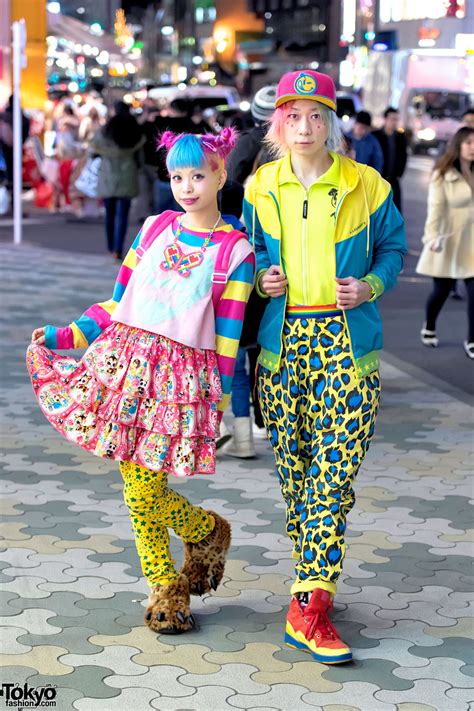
(186,150)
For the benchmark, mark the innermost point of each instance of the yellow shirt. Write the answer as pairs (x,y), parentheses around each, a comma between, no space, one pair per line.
(307,242)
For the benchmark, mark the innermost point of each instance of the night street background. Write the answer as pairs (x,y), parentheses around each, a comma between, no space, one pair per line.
(402,308)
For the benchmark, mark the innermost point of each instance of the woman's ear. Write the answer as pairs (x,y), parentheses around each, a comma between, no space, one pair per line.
(222,179)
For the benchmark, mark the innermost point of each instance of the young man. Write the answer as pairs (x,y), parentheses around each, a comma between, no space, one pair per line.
(329,241)
(394,148)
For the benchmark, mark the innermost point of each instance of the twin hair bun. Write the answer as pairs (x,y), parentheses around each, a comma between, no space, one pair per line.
(222,144)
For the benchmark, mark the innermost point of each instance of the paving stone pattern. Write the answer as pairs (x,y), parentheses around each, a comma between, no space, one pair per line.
(72,595)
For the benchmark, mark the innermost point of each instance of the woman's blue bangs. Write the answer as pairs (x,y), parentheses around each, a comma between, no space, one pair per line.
(185,153)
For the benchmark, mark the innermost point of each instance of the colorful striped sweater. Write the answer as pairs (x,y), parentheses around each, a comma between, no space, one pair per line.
(228,317)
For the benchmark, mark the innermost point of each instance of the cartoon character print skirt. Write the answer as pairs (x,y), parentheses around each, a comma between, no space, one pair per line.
(134,396)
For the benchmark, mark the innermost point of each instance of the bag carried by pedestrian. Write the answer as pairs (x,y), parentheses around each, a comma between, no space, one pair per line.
(88,180)
(4,200)
(44,194)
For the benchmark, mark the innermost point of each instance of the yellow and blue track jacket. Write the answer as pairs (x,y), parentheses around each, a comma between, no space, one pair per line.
(369,242)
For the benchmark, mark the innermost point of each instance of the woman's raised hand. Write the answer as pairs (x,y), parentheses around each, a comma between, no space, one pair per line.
(38,336)
(273,282)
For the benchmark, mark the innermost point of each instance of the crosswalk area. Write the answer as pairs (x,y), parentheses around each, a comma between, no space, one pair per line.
(422,163)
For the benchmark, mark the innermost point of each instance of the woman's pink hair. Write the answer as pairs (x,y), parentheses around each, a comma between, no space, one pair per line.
(213,146)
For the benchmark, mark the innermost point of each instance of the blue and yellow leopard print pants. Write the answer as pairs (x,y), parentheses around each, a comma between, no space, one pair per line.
(154,508)
(319,417)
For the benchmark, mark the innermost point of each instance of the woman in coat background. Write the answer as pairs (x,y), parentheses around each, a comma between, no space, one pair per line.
(448,251)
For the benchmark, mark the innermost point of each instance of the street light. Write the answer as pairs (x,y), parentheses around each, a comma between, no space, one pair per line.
(54,8)
(221,39)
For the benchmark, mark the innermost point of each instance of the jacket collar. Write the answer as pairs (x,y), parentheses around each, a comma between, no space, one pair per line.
(331,176)
(270,175)
(452,175)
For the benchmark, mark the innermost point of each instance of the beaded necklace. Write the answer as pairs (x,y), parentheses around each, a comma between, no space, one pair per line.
(175,258)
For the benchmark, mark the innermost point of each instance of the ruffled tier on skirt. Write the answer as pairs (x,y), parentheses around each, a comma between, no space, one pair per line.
(134,396)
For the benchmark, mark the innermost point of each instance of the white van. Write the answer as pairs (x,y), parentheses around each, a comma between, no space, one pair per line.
(431,89)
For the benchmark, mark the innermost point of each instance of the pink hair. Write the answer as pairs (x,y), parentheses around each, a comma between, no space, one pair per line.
(168,139)
(213,146)
(275,136)
(222,144)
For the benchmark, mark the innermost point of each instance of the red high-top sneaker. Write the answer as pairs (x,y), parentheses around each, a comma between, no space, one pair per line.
(308,628)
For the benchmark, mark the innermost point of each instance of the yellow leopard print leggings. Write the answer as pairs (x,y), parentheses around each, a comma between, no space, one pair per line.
(154,508)
(320,419)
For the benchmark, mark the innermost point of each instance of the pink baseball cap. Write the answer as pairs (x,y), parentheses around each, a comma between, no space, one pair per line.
(306,84)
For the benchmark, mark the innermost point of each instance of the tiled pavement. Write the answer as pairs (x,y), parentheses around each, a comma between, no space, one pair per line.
(72,595)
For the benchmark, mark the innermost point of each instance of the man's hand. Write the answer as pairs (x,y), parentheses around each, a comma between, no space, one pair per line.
(273,282)
(351,292)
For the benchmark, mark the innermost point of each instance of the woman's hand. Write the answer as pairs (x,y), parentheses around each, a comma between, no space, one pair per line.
(38,336)
(273,282)
(437,245)
(351,292)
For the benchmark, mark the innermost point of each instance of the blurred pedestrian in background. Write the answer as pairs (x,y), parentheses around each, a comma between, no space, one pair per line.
(119,145)
(448,240)
(6,140)
(394,148)
(68,151)
(468,117)
(248,154)
(86,205)
(90,124)
(329,241)
(151,128)
(367,148)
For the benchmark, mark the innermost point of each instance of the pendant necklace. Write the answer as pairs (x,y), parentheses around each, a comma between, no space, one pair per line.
(176,260)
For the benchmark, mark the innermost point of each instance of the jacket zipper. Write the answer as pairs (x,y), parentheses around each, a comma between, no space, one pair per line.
(304,248)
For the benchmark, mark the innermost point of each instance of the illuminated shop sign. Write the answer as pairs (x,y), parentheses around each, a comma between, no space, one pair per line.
(398,10)
(349,16)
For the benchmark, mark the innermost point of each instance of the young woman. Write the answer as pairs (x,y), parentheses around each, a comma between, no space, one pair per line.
(448,242)
(329,242)
(156,376)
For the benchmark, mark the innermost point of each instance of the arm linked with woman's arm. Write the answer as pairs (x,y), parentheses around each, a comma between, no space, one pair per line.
(82,332)
(387,228)
(230,314)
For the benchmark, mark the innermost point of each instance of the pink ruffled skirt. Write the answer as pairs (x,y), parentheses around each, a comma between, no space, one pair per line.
(134,396)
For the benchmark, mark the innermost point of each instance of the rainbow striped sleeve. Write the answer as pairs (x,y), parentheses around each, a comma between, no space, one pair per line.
(229,321)
(81,333)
